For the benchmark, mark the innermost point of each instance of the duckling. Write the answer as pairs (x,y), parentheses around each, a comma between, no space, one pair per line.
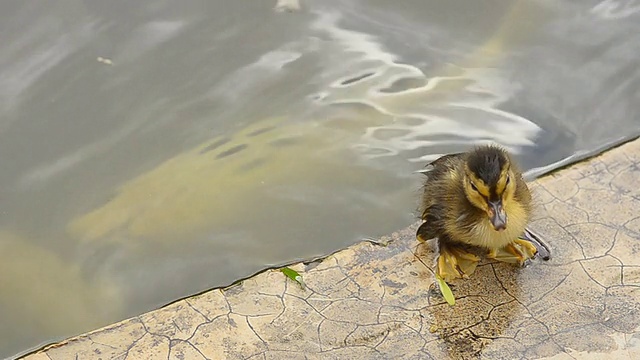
(476,199)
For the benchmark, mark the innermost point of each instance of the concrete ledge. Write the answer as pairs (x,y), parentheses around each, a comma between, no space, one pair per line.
(373,301)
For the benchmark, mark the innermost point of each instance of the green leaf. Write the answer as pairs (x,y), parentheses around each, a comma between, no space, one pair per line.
(293,275)
(446,291)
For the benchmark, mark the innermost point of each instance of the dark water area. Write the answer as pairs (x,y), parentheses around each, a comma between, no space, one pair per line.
(153,149)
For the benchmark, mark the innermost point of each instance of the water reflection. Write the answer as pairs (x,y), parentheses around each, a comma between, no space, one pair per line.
(214,145)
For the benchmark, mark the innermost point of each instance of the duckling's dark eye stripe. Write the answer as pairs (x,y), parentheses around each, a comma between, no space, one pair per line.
(475,188)
(478,185)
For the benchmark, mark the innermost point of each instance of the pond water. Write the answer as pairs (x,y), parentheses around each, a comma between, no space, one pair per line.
(154,149)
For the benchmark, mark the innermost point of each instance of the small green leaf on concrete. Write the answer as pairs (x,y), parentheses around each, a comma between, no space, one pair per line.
(446,291)
(293,275)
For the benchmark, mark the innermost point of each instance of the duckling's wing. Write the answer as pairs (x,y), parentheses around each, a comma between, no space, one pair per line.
(433,210)
(445,160)
(432,216)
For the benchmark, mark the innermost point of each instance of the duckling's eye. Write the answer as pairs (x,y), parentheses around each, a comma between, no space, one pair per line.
(508,180)
(473,186)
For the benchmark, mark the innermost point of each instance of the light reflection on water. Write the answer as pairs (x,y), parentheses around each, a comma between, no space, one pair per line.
(214,146)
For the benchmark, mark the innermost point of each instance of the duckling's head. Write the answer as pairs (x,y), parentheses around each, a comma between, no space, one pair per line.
(489,182)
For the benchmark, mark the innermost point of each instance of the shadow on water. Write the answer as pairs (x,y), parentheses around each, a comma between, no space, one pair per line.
(151,150)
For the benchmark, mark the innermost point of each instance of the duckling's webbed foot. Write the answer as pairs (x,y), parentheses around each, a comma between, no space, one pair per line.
(543,249)
(455,262)
(515,253)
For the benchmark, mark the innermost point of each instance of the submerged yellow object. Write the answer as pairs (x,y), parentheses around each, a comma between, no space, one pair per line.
(213,184)
(47,295)
(191,189)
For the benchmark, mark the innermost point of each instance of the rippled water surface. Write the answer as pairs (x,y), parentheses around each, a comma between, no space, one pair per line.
(153,149)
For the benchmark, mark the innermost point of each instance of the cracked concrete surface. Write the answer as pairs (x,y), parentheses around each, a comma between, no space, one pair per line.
(374,302)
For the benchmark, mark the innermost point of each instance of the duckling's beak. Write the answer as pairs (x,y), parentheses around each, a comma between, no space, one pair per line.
(497,215)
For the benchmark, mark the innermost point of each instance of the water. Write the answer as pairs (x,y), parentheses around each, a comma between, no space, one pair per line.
(221,137)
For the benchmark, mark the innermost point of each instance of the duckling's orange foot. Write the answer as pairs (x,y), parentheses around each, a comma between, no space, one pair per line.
(454,263)
(515,253)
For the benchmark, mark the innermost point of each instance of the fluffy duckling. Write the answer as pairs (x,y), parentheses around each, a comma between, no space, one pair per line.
(479,199)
